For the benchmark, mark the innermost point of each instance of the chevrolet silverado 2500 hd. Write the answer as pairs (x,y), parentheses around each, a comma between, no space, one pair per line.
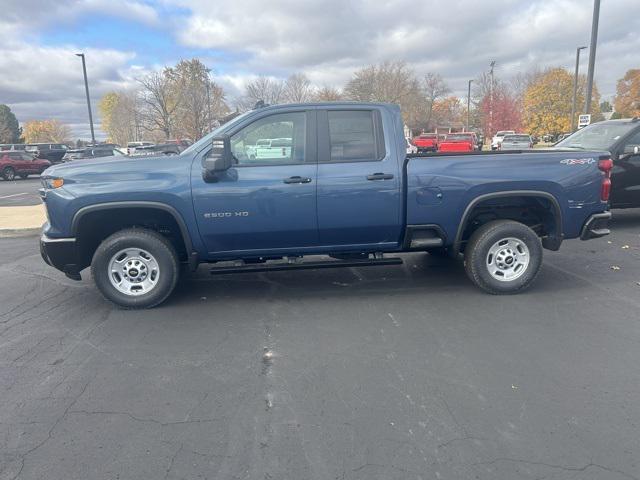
(344,188)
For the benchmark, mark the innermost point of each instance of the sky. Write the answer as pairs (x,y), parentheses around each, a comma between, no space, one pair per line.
(327,40)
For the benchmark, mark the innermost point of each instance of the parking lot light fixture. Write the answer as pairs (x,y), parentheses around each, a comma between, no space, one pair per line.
(575,90)
(468,103)
(86,88)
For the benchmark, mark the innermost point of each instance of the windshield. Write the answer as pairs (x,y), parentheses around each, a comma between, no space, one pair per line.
(599,136)
(207,138)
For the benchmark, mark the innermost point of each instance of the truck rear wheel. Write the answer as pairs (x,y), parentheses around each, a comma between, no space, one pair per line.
(135,268)
(503,257)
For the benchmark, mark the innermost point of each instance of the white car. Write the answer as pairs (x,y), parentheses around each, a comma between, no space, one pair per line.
(497,139)
(518,141)
(411,148)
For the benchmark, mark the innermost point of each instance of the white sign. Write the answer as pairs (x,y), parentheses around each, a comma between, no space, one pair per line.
(584,120)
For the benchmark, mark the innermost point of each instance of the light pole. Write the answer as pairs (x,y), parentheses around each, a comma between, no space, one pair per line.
(492,65)
(468,103)
(575,90)
(86,88)
(592,55)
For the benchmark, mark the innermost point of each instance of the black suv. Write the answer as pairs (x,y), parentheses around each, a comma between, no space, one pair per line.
(622,139)
(48,151)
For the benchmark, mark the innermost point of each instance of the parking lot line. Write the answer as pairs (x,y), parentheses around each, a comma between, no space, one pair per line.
(14,195)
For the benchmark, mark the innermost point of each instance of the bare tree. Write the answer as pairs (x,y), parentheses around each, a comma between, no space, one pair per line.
(435,88)
(160,99)
(266,89)
(392,82)
(297,89)
(328,94)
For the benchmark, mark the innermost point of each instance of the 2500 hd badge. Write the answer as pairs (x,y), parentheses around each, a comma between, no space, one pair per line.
(225,214)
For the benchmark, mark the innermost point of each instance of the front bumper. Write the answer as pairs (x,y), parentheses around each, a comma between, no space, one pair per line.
(596,226)
(61,253)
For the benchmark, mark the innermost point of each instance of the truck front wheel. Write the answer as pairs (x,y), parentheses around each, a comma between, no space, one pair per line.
(135,268)
(503,257)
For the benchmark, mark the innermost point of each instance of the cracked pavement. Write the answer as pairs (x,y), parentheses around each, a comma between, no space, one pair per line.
(389,372)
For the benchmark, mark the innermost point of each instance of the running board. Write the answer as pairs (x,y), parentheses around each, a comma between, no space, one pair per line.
(274,267)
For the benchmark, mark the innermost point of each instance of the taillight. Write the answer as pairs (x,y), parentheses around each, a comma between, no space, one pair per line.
(605,165)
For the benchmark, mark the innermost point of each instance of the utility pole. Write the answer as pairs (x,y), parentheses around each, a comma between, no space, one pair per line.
(86,88)
(492,65)
(592,55)
(575,90)
(468,103)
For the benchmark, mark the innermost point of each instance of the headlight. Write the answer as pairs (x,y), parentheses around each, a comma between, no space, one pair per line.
(52,182)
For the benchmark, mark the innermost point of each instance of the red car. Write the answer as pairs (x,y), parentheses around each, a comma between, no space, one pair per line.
(22,164)
(427,142)
(458,142)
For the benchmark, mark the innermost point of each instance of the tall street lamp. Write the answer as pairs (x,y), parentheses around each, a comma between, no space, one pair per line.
(468,102)
(86,88)
(592,55)
(575,90)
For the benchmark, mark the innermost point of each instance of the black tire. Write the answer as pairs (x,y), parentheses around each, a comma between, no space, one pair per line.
(476,256)
(9,174)
(152,242)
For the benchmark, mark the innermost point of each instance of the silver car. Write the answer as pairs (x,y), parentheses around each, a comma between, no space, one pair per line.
(517,141)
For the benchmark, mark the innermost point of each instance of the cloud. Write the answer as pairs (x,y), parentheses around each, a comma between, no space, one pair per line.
(329,39)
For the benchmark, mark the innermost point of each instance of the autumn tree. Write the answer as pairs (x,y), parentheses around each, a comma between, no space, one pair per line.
(547,102)
(627,99)
(500,110)
(44,131)
(202,101)
(448,111)
(119,117)
(10,130)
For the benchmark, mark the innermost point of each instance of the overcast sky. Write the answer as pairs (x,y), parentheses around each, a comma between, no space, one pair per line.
(327,40)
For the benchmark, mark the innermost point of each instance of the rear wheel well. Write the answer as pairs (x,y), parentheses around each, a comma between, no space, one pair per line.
(539,213)
(94,226)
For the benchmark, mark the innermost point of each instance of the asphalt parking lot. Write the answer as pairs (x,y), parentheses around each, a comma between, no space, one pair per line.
(20,192)
(375,373)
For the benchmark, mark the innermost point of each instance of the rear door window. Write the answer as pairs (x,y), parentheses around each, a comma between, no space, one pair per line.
(353,136)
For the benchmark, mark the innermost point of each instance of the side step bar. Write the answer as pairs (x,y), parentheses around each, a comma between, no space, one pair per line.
(274,267)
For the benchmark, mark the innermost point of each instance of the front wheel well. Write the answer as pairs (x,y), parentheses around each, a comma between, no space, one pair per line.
(95,226)
(540,213)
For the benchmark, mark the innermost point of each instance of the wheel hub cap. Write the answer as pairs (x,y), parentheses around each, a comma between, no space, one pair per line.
(508,259)
(133,271)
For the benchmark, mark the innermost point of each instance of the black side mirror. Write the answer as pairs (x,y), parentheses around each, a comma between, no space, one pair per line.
(219,159)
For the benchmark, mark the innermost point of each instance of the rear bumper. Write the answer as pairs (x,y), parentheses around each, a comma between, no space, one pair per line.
(596,226)
(61,253)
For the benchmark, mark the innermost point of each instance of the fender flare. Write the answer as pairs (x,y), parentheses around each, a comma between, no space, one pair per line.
(552,243)
(186,237)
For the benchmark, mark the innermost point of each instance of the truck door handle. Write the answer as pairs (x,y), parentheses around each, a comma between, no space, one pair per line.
(380,176)
(297,179)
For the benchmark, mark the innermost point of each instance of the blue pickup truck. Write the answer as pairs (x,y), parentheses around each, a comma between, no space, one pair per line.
(342,192)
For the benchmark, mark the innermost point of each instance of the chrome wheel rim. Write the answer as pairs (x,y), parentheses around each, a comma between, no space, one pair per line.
(134,271)
(9,174)
(508,259)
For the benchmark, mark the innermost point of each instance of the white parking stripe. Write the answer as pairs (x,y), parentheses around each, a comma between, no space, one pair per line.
(15,195)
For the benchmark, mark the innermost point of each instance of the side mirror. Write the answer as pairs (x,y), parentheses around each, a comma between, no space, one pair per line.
(219,159)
